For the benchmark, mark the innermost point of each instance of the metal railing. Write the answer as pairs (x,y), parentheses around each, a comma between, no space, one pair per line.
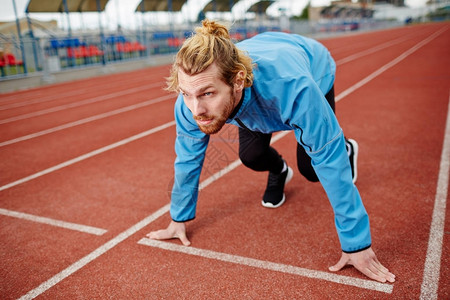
(53,54)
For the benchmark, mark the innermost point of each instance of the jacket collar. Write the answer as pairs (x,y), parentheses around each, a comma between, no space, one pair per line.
(242,103)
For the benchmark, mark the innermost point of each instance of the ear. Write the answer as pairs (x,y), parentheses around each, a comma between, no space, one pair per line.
(239,80)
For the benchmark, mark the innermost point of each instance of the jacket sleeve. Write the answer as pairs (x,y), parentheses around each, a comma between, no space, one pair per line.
(317,130)
(190,148)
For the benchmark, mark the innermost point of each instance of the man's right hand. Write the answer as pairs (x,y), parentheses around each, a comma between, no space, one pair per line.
(175,230)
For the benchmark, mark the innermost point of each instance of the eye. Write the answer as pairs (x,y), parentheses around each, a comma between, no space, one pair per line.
(207,94)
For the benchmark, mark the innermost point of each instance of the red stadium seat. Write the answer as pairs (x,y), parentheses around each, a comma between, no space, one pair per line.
(138,46)
(11,60)
(94,51)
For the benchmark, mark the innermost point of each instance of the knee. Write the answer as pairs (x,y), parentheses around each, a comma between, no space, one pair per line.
(308,173)
(250,159)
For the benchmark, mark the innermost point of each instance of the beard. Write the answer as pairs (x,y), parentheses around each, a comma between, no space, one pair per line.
(217,121)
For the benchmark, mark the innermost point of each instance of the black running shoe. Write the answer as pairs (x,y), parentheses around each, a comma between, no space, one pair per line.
(352,151)
(274,195)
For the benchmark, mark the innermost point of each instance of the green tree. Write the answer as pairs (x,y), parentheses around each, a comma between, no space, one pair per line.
(305,13)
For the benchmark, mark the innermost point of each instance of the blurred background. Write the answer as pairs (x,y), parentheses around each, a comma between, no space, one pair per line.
(42,40)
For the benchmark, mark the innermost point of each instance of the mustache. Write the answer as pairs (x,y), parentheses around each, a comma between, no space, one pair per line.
(203,117)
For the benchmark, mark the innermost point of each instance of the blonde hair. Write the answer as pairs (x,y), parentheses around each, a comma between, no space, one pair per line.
(211,44)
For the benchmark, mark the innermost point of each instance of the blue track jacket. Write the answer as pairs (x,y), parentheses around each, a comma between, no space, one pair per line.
(291,77)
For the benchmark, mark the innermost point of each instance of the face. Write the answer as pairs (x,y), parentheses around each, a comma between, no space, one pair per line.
(210,99)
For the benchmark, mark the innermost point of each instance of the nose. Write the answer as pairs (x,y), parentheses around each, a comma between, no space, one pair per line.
(198,108)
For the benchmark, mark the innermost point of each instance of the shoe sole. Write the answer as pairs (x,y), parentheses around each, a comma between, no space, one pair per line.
(288,178)
(355,158)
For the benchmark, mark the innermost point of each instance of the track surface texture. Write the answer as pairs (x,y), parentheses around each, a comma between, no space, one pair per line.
(86,169)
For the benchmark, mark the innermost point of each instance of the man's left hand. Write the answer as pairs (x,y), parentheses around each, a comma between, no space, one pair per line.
(367,263)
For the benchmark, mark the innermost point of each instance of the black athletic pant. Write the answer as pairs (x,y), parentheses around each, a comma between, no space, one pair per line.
(256,153)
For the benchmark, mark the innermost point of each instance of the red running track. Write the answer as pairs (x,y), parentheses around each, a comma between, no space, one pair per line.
(86,168)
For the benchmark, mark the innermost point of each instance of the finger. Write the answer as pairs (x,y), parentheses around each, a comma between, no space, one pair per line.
(381,271)
(368,269)
(372,274)
(162,234)
(341,263)
(391,277)
(165,234)
(379,266)
(183,238)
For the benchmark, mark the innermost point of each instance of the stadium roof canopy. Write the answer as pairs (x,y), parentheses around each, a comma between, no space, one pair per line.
(260,6)
(59,6)
(220,5)
(160,5)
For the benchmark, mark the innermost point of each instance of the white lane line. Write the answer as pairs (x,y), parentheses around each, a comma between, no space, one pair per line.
(79,103)
(124,235)
(371,50)
(267,265)
(53,222)
(389,65)
(87,155)
(38,99)
(68,125)
(86,120)
(93,255)
(353,281)
(430,282)
(106,148)
(90,257)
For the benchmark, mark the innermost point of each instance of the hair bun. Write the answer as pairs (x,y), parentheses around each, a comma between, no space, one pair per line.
(211,27)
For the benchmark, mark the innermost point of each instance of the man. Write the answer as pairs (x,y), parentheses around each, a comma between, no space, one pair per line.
(271,82)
